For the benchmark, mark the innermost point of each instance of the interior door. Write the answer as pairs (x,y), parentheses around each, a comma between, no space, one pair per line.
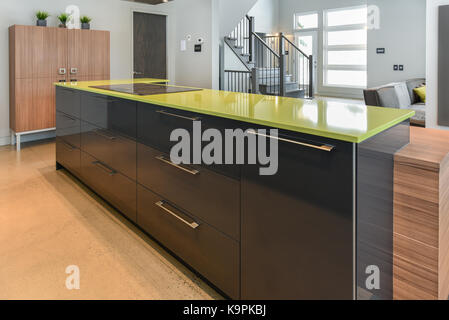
(307,42)
(150,46)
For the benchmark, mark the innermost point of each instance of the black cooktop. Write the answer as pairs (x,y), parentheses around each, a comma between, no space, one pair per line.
(144,89)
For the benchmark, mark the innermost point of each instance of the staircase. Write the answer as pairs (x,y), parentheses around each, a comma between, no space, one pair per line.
(273,65)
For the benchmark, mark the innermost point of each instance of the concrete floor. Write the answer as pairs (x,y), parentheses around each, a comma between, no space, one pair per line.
(49,221)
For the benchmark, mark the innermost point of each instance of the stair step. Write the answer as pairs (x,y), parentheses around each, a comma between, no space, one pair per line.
(232,39)
(238,47)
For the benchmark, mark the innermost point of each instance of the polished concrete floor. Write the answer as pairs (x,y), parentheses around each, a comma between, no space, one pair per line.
(49,221)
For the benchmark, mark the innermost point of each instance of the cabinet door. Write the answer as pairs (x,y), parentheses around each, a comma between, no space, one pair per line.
(99,54)
(78,53)
(297,225)
(24,40)
(24,111)
(44,102)
(49,51)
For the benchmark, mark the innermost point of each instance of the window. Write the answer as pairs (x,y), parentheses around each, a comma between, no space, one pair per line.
(345,43)
(306,21)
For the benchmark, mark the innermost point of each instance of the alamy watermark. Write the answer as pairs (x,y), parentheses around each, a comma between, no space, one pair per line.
(72,282)
(254,146)
(373,21)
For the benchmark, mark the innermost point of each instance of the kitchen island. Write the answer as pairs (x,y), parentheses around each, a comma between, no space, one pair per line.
(320,228)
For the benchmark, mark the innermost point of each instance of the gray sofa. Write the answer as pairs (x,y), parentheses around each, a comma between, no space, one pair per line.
(399,95)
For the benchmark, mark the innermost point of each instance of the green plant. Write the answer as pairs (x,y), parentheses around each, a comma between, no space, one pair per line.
(85,19)
(42,15)
(64,17)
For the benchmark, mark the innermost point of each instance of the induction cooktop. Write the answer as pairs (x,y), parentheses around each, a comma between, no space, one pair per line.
(144,89)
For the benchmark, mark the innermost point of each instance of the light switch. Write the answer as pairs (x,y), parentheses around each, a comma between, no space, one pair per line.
(183,45)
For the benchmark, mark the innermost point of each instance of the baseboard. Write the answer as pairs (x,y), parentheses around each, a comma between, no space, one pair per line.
(5,141)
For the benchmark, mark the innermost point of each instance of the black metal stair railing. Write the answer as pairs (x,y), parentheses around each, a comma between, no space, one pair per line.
(274,65)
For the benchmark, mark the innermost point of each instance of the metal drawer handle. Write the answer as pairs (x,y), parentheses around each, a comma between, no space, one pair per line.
(192,172)
(100,133)
(104,167)
(324,147)
(192,225)
(177,115)
(68,146)
(70,118)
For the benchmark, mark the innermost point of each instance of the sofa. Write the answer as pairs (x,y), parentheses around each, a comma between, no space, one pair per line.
(399,95)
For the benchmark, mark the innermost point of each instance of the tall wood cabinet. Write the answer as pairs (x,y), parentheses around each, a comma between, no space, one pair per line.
(41,56)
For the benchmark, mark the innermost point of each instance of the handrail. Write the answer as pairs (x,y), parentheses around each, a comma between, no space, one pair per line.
(238,71)
(265,44)
(294,46)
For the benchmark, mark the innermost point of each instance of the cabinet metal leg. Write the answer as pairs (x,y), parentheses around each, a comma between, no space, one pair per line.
(18,142)
(13,141)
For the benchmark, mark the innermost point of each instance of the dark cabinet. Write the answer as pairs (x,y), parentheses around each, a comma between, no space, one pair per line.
(113,186)
(68,156)
(68,128)
(68,101)
(298,225)
(213,197)
(110,147)
(213,254)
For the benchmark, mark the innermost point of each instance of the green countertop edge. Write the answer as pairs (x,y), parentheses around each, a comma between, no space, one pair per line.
(319,133)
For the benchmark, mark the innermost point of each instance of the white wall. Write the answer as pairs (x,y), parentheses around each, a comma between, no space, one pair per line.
(266,13)
(231,13)
(198,18)
(403,34)
(432,63)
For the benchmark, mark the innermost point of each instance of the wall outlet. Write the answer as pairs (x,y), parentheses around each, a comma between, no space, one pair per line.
(396,67)
(401,67)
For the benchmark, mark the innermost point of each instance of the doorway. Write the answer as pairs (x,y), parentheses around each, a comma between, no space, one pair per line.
(150,45)
(307,42)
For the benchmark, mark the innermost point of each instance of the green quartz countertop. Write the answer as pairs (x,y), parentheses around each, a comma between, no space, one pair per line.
(326,118)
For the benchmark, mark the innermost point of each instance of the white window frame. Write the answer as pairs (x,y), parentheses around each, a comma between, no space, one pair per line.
(327,48)
(295,25)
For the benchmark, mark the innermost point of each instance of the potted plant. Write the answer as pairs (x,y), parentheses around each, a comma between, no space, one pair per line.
(85,22)
(63,18)
(42,18)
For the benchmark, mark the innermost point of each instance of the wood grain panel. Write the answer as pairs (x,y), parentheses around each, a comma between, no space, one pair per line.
(24,42)
(99,53)
(421,217)
(12,78)
(78,51)
(49,51)
(24,105)
(444,233)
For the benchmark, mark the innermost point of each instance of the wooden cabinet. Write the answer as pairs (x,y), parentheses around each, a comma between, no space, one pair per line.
(39,57)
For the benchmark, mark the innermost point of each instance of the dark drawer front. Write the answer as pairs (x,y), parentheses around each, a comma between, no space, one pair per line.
(68,156)
(155,124)
(68,128)
(116,151)
(114,187)
(68,101)
(210,196)
(110,113)
(208,251)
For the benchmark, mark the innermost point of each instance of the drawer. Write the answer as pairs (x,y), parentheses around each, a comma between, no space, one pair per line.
(155,125)
(118,152)
(68,128)
(110,113)
(212,197)
(68,156)
(111,185)
(68,101)
(211,253)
